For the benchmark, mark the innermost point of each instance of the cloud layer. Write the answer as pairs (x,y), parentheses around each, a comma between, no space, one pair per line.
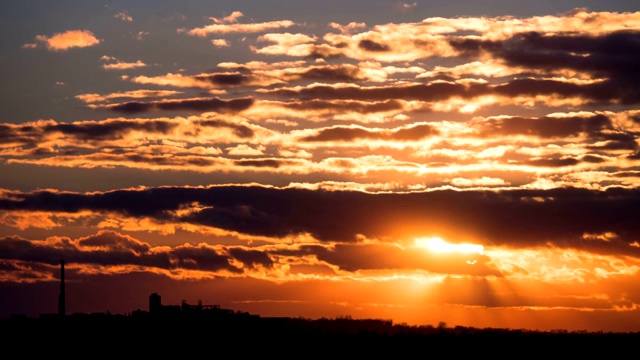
(290,158)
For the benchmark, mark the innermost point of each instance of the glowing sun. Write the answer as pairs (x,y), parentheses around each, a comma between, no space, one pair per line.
(436,244)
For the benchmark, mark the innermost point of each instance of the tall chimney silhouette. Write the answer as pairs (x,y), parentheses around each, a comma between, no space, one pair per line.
(61,299)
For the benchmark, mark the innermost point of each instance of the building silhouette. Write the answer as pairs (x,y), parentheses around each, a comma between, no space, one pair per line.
(194,327)
(157,308)
(155,303)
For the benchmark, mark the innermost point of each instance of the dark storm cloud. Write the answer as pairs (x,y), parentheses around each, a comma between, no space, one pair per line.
(346,106)
(624,174)
(201,258)
(370,45)
(112,248)
(424,92)
(333,73)
(268,163)
(474,46)
(22,249)
(251,258)
(546,127)
(324,73)
(554,162)
(225,79)
(416,132)
(87,131)
(341,133)
(41,151)
(240,131)
(612,56)
(344,133)
(527,217)
(6,133)
(592,159)
(33,271)
(635,156)
(199,105)
(110,129)
(324,51)
(595,93)
(562,161)
(598,128)
(83,131)
(114,240)
(10,133)
(619,141)
(355,257)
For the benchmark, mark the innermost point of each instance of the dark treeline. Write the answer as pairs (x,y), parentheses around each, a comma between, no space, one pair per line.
(188,328)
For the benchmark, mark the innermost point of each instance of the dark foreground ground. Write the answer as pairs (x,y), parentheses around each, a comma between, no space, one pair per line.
(105,336)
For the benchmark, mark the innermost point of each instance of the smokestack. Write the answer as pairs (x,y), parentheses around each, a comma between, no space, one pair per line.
(61,299)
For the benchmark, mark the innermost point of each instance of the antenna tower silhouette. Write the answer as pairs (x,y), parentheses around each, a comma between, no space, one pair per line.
(61,300)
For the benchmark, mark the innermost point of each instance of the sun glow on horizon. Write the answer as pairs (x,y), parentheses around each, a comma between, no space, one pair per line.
(436,244)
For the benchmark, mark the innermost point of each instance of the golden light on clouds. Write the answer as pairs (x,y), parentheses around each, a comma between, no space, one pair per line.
(68,39)
(402,162)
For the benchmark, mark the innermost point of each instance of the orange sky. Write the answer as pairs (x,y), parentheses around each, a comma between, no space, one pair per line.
(472,167)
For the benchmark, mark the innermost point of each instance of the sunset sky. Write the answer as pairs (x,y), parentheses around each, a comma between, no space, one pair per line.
(473,163)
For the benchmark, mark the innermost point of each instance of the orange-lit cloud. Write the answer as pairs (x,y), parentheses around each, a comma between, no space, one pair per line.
(294,165)
(220,43)
(195,104)
(350,27)
(67,40)
(228,19)
(208,80)
(227,27)
(116,64)
(393,216)
(134,94)
(502,152)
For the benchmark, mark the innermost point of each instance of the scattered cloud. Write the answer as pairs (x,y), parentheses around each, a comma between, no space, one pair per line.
(124,16)
(406,6)
(140,35)
(220,43)
(67,40)
(233,18)
(230,25)
(325,156)
(134,94)
(115,64)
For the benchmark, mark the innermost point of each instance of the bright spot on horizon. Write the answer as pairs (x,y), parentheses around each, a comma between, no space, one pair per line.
(436,244)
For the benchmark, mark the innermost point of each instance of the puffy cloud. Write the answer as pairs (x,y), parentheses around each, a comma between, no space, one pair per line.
(67,40)
(220,43)
(120,65)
